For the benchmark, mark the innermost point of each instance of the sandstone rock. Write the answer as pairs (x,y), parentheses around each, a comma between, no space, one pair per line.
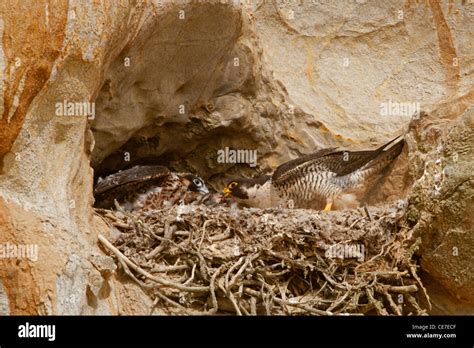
(440,207)
(174,82)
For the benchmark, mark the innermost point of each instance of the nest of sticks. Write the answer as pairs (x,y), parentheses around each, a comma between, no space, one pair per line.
(203,260)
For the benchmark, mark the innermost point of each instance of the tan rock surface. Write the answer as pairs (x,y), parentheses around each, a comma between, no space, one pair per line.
(441,204)
(260,76)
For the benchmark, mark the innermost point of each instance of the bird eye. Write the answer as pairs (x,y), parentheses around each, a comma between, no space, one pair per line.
(197,182)
(233,184)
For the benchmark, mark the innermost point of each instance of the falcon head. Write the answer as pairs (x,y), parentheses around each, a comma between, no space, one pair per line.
(196,184)
(237,188)
(245,189)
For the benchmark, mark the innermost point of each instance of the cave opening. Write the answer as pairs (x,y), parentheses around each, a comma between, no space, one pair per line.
(173,96)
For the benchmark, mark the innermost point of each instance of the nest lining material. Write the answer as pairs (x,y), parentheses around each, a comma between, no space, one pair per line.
(203,260)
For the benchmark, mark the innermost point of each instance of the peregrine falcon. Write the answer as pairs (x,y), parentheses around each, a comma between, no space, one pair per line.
(313,181)
(148,187)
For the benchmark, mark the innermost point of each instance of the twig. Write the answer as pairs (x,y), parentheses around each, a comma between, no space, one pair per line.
(298,305)
(392,303)
(148,275)
(192,276)
(399,289)
(413,273)
(413,302)
(234,266)
(220,237)
(203,234)
(131,275)
(231,297)
(168,235)
(239,272)
(170,301)
(164,269)
(377,304)
(253,305)
(212,287)
(367,212)
(388,274)
(275,273)
(202,262)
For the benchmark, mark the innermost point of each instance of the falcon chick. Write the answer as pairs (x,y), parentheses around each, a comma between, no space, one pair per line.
(313,181)
(148,187)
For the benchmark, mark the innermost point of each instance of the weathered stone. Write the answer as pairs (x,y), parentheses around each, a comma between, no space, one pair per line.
(284,78)
(440,208)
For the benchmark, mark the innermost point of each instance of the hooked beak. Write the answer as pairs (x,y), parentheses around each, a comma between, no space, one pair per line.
(204,190)
(227,191)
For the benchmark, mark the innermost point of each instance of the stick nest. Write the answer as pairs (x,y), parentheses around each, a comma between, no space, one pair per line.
(208,260)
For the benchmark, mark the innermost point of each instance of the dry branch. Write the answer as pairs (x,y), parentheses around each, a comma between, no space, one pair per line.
(216,261)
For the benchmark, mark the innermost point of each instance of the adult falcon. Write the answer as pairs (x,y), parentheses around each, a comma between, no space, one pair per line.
(313,181)
(148,187)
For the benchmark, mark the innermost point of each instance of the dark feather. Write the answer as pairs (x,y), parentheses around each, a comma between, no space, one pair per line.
(339,162)
(124,185)
(133,175)
(357,159)
(293,164)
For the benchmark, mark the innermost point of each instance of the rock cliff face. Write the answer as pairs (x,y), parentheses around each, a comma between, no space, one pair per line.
(172,83)
(441,202)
